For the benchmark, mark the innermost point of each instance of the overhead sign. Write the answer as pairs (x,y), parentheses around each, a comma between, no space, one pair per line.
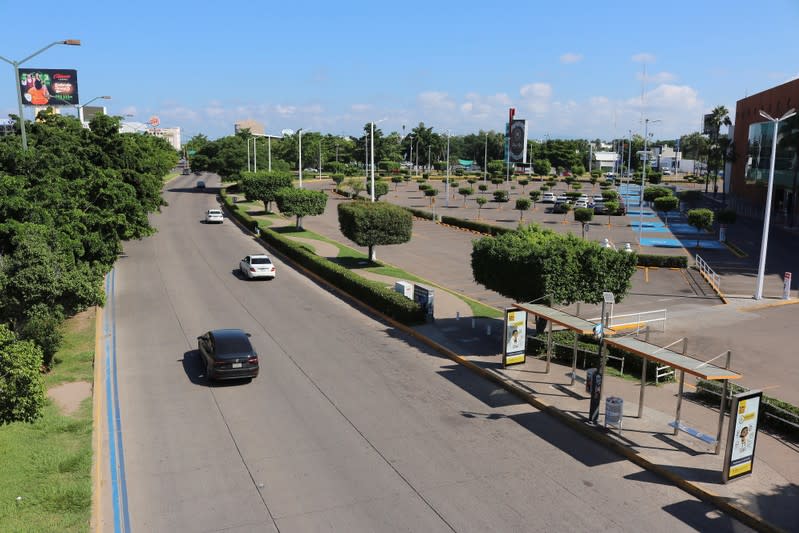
(48,87)
(707,124)
(739,457)
(515,341)
(154,121)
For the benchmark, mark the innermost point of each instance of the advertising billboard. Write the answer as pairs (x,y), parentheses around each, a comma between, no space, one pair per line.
(515,337)
(707,124)
(518,141)
(48,87)
(742,437)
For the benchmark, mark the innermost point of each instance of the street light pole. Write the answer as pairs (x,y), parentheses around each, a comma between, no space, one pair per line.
(372,154)
(255,154)
(269,144)
(446,189)
(643,181)
(485,161)
(249,167)
(761,269)
(80,107)
(299,163)
(16,64)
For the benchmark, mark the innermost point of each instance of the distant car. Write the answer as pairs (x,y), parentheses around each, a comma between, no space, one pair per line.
(581,203)
(186,171)
(598,198)
(310,170)
(228,354)
(200,184)
(667,172)
(214,216)
(562,199)
(257,266)
(197,172)
(548,198)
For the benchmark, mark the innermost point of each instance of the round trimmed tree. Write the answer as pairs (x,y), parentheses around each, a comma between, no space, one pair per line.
(374,223)
(300,203)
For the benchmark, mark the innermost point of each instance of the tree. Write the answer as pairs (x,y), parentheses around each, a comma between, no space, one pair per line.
(381,188)
(611,206)
(264,186)
(701,219)
(534,264)
(522,205)
(481,201)
(300,203)
(431,192)
(396,180)
(578,170)
(583,215)
(374,223)
(355,185)
(534,197)
(337,179)
(501,196)
(466,192)
(497,182)
(653,192)
(542,167)
(21,383)
(524,182)
(667,203)
(718,117)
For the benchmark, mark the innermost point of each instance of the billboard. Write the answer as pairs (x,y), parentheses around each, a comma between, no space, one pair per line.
(707,124)
(518,141)
(48,87)
(515,338)
(742,437)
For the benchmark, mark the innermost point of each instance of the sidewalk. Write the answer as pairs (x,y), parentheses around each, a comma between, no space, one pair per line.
(765,500)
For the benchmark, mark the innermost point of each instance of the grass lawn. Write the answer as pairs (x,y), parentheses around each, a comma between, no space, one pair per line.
(48,463)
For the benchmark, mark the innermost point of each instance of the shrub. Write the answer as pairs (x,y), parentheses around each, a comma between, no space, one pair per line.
(475,226)
(663,261)
(500,196)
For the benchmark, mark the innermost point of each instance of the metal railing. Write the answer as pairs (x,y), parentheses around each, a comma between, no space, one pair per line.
(640,321)
(708,273)
(663,372)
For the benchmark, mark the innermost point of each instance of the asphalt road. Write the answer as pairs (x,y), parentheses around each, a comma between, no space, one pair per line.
(351,426)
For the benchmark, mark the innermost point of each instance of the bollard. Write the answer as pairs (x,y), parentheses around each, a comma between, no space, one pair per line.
(457,315)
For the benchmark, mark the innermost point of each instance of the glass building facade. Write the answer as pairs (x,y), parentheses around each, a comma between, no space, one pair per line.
(758,157)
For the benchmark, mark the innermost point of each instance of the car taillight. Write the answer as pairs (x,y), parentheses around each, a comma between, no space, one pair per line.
(252,269)
(252,360)
(220,363)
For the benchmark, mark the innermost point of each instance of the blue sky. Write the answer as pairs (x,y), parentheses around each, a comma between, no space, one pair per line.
(574,69)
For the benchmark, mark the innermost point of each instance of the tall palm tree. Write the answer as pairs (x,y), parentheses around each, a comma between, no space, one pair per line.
(718,117)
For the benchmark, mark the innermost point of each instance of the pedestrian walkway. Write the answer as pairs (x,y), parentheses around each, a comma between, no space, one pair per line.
(766,498)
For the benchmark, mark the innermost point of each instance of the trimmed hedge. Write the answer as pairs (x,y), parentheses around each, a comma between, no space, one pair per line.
(773,408)
(373,293)
(474,225)
(665,261)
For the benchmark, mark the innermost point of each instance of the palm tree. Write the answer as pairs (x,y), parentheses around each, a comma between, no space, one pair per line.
(718,117)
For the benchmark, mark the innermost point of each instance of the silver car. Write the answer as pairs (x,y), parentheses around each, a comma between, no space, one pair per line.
(214,216)
(257,266)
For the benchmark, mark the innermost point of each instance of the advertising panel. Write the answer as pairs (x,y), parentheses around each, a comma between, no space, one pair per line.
(742,437)
(515,338)
(707,124)
(48,87)
(518,141)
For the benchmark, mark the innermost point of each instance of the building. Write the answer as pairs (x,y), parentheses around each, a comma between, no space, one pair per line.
(172,135)
(604,161)
(255,127)
(752,139)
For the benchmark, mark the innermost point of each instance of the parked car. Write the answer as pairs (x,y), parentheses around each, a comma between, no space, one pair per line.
(200,184)
(562,199)
(581,203)
(228,354)
(186,171)
(257,266)
(214,216)
(548,198)
(666,172)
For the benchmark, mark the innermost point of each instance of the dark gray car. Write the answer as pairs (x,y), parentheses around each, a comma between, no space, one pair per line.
(228,354)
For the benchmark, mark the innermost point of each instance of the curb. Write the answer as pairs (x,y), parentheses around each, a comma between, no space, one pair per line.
(97,407)
(744,515)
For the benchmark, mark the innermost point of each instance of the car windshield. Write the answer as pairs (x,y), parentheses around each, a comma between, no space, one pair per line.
(260,261)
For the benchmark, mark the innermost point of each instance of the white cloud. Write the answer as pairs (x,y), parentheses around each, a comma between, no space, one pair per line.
(536,97)
(435,100)
(656,77)
(285,110)
(177,114)
(570,57)
(360,108)
(643,57)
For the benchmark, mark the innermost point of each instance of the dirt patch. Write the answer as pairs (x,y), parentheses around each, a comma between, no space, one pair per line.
(68,396)
(79,322)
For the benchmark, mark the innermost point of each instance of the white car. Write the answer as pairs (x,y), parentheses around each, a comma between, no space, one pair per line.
(580,203)
(257,266)
(214,216)
(667,172)
(548,198)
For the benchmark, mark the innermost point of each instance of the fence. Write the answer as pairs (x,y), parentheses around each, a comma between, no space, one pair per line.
(708,273)
(638,321)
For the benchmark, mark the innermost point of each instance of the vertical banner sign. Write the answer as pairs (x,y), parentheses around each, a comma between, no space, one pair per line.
(518,141)
(48,87)
(515,338)
(424,296)
(742,436)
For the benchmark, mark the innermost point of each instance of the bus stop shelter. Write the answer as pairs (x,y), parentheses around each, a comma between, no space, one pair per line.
(679,361)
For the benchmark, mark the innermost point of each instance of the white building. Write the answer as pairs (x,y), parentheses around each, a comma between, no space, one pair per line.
(172,135)
(604,161)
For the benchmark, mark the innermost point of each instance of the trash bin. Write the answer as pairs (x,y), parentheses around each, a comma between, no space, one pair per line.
(589,375)
(614,411)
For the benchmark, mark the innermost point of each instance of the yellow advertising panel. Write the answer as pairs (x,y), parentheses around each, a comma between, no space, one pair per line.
(515,337)
(742,437)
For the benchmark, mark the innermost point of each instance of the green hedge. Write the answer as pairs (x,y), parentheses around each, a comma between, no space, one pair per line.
(665,261)
(420,213)
(711,392)
(475,226)
(373,293)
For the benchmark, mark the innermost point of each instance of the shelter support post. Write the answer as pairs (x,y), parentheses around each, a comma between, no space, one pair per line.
(643,388)
(679,402)
(723,405)
(549,344)
(574,360)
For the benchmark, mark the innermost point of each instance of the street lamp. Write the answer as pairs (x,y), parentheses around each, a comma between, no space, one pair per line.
(16,64)
(767,218)
(80,107)
(485,161)
(643,181)
(446,188)
(372,155)
(299,162)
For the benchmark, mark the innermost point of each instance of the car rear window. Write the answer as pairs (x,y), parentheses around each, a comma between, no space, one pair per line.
(214,212)
(260,261)
(229,345)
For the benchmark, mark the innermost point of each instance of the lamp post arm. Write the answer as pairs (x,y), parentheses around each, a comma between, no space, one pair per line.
(39,51)
(12,63)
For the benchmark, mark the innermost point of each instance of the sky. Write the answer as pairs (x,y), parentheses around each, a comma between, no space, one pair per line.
(573,69)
